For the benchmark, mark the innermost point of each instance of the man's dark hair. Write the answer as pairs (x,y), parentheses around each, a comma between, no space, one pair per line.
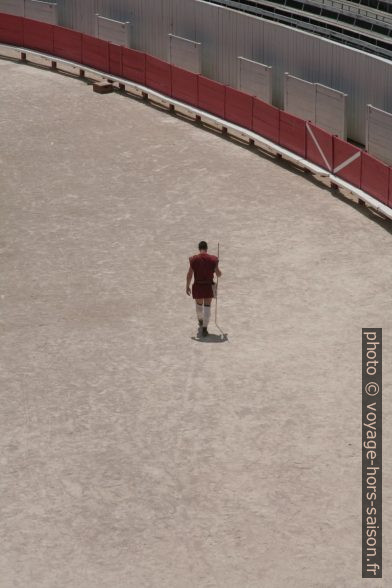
(203,245)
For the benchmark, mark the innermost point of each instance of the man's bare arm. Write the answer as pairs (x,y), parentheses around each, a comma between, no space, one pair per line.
(218,272)
(188,281)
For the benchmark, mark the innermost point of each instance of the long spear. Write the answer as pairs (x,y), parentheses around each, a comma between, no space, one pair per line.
(216,303)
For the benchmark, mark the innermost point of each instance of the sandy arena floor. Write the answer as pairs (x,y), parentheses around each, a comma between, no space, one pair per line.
(132,455)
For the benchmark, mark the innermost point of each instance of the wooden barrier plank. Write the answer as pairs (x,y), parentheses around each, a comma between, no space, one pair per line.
(212,96)
(95,53)
(265,120)
(375,178)
(238,107)
(38,35)
(67,44)
(158,75)
(134,65)
(184,85)
(319,146)
(292,133)
(11,29)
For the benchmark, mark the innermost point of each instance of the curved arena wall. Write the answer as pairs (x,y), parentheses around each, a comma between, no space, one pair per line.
(338,158)
(226,34)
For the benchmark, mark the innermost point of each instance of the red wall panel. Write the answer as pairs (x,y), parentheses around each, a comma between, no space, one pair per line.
(238,107)
(375,178)
(11,29)
(319,146)
(347,161)
(38,35)
(212,96)
(292,133)
(115,60)
(95,53)
(134,65)
(184,85)
(158,75)
(67,44)
(265,120)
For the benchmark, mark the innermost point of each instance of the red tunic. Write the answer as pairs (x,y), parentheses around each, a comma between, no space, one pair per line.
(203,266)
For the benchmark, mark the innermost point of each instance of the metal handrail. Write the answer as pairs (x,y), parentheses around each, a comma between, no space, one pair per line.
(325,19)
(369,14)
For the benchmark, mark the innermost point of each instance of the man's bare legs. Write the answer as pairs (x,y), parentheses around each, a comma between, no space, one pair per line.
(204,316)
(199,310)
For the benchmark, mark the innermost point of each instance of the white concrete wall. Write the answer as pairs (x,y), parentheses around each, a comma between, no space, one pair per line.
(299,98)
(379,134)
(185,53)
(331,110)
(113,30)
(255,78)
(15,7)
(43,11)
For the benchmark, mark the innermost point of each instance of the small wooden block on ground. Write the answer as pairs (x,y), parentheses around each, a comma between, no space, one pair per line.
(103,87)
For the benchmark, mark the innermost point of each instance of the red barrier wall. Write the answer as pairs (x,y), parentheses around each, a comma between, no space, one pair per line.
(184,85)
(158,75)
(212,96)
(265,120)
(37,35)
(375,178)
(95,53)
(115,60)
(67,44)
(347,161)
(292,133)
(319,146)
(11,29)
(238,107)
(134,65)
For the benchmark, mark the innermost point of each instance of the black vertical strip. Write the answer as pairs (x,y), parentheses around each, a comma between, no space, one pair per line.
(371,453)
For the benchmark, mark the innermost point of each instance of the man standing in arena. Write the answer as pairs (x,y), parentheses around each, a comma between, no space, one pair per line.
(203,266)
